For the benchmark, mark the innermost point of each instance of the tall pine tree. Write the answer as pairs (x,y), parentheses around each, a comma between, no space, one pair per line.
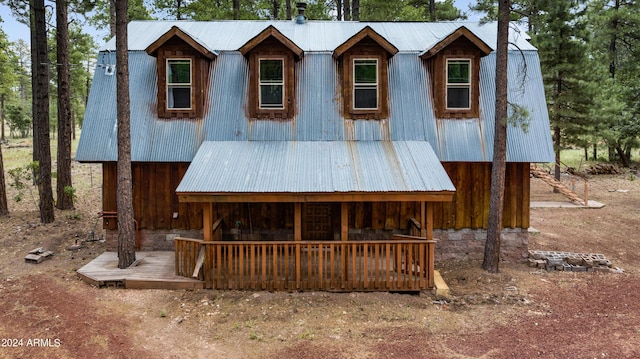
(561,43)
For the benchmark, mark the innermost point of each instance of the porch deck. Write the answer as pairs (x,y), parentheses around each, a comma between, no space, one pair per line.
(154,270)
(400,264)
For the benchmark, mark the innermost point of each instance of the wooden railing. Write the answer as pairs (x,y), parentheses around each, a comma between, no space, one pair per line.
(401,264)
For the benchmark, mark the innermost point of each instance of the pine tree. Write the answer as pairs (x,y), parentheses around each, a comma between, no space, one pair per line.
(561,43)
(126,225)
(491,259)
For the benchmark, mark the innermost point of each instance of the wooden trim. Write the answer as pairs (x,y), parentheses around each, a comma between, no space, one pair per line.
(460,32)
(349,111)
(265,51)
(367,31)
(267,33)
(438,69)
(177,32)
(440,196)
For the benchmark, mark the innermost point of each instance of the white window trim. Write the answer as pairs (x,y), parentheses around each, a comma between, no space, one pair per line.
(283,84)
(353,84)
(458,85)
(190,84)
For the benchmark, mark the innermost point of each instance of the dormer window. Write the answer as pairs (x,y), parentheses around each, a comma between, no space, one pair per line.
(365,84)
(454,70)
(458,84)
(271,83)
(363,59)
(183,65)
(271,59)
(179,84)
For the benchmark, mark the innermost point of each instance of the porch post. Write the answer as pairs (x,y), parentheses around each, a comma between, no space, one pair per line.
(297,234)
(423,220)
(430,246)
(429,223)
(207,221)
(344,221)
(297,221)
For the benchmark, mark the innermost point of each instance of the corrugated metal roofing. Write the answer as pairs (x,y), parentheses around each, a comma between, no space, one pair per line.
(315,35)
(315,167)
(318,109)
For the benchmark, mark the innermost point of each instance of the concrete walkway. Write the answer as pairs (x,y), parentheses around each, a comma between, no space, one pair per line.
(592,204)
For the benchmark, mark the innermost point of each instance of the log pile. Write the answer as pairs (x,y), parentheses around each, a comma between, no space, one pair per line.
(603,169)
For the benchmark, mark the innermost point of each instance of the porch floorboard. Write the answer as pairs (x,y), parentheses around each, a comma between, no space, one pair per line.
(155,270)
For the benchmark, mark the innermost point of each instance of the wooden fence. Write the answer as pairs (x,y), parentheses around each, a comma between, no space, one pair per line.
(404,263)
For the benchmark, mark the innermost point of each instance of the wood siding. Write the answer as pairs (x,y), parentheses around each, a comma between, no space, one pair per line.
(155,202)
(365,49)
(272,48)
(178,49)
(462,48)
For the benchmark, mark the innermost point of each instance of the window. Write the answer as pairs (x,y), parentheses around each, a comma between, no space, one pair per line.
(459,84)
(365,84)
(179,84)
(271,83)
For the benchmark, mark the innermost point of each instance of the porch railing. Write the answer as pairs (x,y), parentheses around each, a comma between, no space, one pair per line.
(403,263)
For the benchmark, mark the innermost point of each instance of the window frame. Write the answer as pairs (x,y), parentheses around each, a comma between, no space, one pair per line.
(354,84)
(283,83)
(467,85)
(169,85)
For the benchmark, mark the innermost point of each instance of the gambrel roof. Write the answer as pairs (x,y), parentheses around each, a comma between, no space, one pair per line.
(318,115)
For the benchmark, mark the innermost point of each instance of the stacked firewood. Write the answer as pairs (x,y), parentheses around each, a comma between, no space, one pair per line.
(602,169)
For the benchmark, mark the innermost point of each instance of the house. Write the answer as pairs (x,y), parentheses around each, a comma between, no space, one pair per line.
(311,150)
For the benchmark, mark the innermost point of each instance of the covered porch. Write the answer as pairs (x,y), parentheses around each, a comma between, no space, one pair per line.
(300,173)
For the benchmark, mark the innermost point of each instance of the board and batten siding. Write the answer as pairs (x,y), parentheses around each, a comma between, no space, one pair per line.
(155,202)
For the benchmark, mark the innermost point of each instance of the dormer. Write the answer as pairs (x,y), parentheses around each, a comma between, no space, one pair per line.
(364,59)
(454,66)
(183,73)
(272,57)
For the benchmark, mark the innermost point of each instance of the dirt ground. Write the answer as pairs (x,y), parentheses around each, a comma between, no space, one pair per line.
(45,311)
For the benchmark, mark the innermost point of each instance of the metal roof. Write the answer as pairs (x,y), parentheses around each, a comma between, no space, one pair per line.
(315,35)
(315,167)
(318,109)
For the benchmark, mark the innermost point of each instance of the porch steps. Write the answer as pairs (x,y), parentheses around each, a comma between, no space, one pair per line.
(441,288)
(550,180)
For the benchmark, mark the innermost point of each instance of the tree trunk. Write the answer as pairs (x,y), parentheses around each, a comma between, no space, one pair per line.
(494,229)
(346,10)
(624,160)
(432,10)
(236,9)
(112,18)
(355,10)
(339,10)
(126,225)
(556,140)
(41,143)
(4,207)
(288,9)
(595,152)
(65,200)
(275,9)
(2,114)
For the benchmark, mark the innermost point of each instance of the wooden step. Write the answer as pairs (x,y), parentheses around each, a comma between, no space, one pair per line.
(550,180)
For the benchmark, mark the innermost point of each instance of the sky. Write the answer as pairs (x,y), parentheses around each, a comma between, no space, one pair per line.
(16,30)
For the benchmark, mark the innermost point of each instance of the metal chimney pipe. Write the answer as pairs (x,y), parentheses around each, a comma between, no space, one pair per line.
(300,19)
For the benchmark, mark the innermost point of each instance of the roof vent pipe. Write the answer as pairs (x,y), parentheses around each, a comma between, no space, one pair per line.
(300,19)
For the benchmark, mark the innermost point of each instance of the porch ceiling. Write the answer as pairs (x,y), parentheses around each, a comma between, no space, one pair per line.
(315,171)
